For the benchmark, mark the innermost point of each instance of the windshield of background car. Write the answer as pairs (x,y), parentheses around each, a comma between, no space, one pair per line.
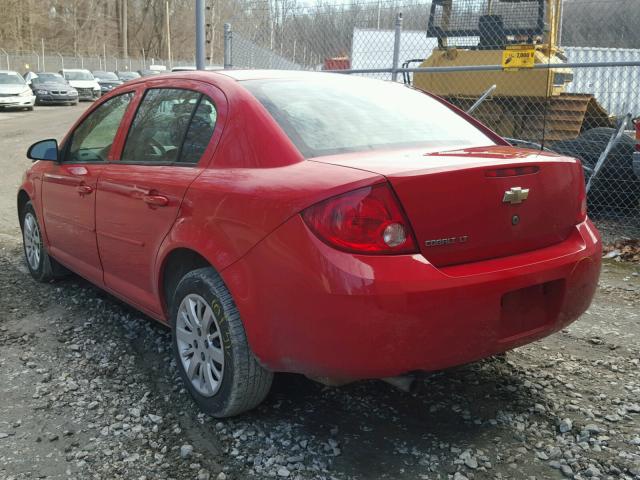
(128,75)
(78,76)
(11,78)
(327,115)
(48,78)
(105,76)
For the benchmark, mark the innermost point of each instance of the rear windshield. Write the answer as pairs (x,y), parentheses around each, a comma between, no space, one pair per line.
(338,114)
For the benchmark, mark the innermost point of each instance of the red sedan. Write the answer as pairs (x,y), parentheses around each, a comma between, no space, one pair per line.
(334,226)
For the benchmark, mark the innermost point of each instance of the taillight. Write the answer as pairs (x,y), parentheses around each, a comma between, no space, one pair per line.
(582,196)
(366,220)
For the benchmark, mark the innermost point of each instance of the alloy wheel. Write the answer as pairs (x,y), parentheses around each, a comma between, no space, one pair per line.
(200,344)
(32,241)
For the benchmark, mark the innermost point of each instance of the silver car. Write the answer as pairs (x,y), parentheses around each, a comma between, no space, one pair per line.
(14,91)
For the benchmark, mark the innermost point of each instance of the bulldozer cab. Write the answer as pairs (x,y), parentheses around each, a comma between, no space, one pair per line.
(532,103)
(487,24)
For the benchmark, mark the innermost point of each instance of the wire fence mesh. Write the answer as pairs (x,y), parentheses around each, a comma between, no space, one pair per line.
(565,73)
(573,84)
(34,61)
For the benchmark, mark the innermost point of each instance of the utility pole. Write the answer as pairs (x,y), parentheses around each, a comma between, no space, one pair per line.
(200,40)
(168,34)
(125,32)
(43,67)
(213,32)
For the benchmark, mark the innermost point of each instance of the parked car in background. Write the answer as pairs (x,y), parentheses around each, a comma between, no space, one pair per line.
(191,68)
(52,88)
(14,91)
(107,80)
(275,235)
(83,81)
(149,73)
(126,76)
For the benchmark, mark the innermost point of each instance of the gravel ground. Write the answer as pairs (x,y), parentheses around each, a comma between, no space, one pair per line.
(88,389)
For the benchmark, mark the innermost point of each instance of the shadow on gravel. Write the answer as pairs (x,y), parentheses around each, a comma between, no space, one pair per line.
(366,429)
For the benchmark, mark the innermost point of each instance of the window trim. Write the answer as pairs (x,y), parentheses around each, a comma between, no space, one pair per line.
(177,163)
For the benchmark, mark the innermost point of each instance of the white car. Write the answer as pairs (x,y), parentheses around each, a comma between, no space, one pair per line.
(14,91)
(83,81)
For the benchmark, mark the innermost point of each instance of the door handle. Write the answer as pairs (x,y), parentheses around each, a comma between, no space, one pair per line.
(85,189)
(156,200)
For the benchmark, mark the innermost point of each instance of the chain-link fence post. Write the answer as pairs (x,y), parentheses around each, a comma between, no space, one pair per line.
(228,59)
(6,55)
(396,47)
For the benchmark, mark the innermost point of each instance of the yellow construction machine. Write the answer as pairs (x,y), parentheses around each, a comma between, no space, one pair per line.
(528,103)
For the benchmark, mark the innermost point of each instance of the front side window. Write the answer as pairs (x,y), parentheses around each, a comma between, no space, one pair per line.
(333,114)
(171,125)
(92,140)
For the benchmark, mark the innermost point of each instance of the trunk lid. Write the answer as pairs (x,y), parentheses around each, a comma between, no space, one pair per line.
(461,213)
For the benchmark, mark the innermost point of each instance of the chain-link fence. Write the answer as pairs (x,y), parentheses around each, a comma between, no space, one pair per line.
(555,72)
(36,62)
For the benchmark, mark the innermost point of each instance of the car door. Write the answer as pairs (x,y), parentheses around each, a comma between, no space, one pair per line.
(68,188)
(139,196)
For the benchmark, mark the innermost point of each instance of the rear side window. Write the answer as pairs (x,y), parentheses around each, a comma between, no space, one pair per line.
(171,125)
(200,131)
(334,114)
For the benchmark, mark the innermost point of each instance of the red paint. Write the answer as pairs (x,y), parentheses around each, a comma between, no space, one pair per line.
(308,306)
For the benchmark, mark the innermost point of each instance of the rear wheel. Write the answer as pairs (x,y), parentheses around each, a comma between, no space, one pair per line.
(211,349)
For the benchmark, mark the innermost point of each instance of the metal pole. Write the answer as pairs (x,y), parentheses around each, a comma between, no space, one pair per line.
(61,60)
(125,28)
(228,59)
(396,47)
(104,54)
(615,138)
(6,55)
(38,57)
(490,68)
(44,69)
(489,91)
(168,35)
(144,60)
(200,40)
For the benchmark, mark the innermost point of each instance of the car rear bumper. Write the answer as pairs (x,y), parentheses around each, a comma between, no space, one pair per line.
(16,101)
(311,309)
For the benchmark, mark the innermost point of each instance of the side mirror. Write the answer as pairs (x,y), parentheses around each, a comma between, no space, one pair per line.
(44,150)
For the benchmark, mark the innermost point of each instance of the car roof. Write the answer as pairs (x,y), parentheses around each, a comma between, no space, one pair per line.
(241,75)
(9,71)
(75,70)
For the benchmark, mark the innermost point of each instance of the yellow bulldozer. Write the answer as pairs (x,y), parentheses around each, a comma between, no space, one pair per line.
(530,104)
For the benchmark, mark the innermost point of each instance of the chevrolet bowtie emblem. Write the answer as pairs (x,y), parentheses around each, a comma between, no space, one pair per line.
(515,195)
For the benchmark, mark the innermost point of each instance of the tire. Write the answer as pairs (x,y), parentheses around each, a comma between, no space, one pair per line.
(41,266)
(220,353)
(30,109)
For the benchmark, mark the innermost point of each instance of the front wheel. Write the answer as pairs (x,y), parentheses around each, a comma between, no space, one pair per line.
(211,348)
(41,266)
